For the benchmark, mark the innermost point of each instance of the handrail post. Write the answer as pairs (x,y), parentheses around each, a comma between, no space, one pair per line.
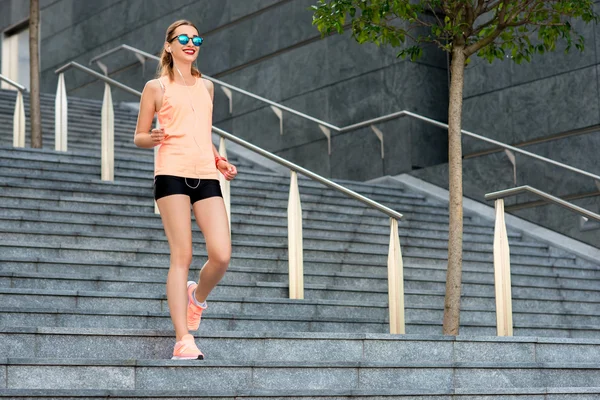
(502,274)
(225,184)
(395,281)
(108,136)
(295,257)
(19,121)
(60,115)
(279,115)
(327,132)
(379,135)
(229,95)
(513,160)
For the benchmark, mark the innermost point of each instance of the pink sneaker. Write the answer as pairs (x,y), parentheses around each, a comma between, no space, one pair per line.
(194,312)
(186,349)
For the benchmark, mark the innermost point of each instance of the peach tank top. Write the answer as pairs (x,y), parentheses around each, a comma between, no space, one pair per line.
(187,150)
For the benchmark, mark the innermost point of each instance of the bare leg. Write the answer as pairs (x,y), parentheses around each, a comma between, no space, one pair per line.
(212,220)
(176,218)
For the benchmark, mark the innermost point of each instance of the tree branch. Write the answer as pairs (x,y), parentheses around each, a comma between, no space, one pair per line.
(502,13)
(519,10)
(484,25)
(475,47)
(435,14)
(470,17)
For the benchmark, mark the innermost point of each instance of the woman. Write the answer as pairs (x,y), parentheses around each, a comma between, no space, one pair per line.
(186,172)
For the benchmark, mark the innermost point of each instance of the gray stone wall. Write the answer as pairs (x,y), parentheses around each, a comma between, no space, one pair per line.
(553,94)
(268,47)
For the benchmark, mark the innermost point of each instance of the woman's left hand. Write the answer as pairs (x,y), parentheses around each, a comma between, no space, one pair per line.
(228,170)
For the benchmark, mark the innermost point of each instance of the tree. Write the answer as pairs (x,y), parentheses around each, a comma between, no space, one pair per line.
(492,29)
(34,74)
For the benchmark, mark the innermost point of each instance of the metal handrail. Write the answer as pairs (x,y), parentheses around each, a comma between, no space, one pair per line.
(294,167)
(14,84)
(312,175)
(97,75)
(384,118)
(548,197)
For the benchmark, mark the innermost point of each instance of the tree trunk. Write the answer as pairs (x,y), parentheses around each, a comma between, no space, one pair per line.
(34,73)
(455,233)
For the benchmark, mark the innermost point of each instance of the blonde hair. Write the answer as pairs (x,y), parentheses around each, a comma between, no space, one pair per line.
(165,67)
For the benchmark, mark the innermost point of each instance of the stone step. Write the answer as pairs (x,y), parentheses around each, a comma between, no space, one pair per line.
(417,292)
(311,229)
(347,309)
(90,115)
(83,130)
(87,158)
(473,322)
(21,201)
(135,319)
(247,180)
(241,192)
(350,288)
(96,211)
(84,119)
(102,206)
(124,167)
(117,197)
(294,346)
(553,315)
(314,273)
(83,127)
(543,393)
(254,258)
(239,375)
(123,190)
(102,234)
(77,107)
(273,187)
(247,249)
(361,244)
(241,205)
(42,167)
(79,143)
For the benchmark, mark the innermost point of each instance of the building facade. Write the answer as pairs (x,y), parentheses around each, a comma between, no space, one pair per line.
(269,48)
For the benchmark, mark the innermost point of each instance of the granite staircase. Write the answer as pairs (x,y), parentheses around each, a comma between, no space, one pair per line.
(83,311)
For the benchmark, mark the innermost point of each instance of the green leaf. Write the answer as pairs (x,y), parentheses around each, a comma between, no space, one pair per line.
(549,24)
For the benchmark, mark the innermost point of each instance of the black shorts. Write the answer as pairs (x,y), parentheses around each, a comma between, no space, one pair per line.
(166,185)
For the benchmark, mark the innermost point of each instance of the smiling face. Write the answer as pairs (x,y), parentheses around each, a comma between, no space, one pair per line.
(183,53)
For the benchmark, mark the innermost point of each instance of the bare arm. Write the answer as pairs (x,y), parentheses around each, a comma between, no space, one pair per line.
(146,137)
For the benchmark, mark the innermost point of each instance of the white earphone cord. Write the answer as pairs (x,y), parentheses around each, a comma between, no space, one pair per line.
(195,120)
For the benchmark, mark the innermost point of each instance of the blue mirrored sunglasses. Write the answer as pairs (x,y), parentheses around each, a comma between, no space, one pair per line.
(185,39)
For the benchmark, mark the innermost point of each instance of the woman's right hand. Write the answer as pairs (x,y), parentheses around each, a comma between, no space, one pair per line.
(157,135)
